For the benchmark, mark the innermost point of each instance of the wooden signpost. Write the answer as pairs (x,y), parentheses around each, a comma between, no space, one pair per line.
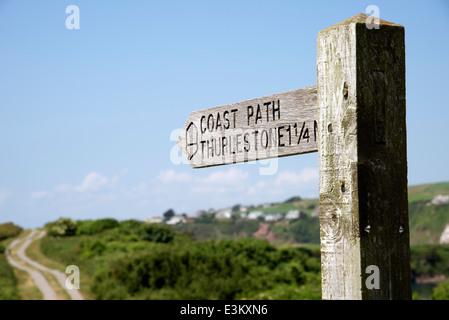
(355,119)
(278,125)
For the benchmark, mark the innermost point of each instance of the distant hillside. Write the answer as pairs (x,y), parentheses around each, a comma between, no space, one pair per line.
(427,192)
(427,220)
(293,221)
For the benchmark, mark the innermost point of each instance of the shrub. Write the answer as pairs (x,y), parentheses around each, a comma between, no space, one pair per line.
(92,248)
(429,259)
(155,233)
(306,230)
(66,250)
(441,292)
(8,230)
(62,228)
(8,282)
(210,270)
(90,227)
(130,225)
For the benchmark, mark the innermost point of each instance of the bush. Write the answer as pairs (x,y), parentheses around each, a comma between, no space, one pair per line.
(92,248)
(8,230)
(429,260)
(65,250)
(206,219)
(306,230)
(64,227)
(137,260)
(130,225)
(90,227)
(441,292)
(155,233)
(210,270)
(8,282)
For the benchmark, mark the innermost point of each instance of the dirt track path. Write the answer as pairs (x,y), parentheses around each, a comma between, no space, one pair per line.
(40,281)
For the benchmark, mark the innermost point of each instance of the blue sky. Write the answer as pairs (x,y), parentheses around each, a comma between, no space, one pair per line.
(89,116)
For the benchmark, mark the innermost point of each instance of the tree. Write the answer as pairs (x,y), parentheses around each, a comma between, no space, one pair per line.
(154,233)
(168,214)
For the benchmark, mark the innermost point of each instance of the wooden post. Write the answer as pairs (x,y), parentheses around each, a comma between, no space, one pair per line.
(365,249)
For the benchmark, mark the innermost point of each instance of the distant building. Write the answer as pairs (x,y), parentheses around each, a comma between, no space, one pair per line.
(440,199)
(254,215)
(154,219)
(316,212)
(292,214)
(444,239)
(176,219)
(224,214)
(273,217)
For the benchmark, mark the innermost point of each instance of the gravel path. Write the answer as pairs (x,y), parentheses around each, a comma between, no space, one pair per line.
(41,282)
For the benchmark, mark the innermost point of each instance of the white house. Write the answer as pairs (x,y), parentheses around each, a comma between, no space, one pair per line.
(273,217)
(224,214)
(440,199)
(154,219)
(176,220)
(444,238)
(254,215)
(292,214)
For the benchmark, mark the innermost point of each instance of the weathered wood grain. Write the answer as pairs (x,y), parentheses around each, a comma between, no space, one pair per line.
(273,126)
(362,160)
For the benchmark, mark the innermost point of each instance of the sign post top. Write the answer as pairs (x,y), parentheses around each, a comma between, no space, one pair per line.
(362,18)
